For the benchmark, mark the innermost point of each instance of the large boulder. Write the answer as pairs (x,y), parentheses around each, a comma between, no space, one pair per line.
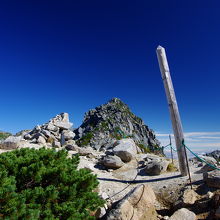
(183,214)
(126,149)
(156,167)
(68,135)
(212,179)
(11,143)
(62,121)
(112,162)
(138,204)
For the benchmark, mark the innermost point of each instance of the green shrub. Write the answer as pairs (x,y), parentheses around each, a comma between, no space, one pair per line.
(85,140)
(45,184)
(4,135)
(144,148)
(171,167)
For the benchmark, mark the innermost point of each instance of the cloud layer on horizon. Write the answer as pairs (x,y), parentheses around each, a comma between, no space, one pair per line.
(198,142)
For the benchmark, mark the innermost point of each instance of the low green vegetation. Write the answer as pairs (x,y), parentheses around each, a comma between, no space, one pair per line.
(45,184)
(104,125)
(118,134)
(4,135)
(144,148)
(171,167)
(85,140)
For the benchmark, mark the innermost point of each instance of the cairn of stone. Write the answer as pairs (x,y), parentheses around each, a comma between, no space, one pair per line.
(55,133)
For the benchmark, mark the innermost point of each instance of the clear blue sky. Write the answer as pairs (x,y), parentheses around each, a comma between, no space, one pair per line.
(70,56)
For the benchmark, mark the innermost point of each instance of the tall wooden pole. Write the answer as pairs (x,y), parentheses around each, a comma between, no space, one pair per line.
(174,112)
(171,149)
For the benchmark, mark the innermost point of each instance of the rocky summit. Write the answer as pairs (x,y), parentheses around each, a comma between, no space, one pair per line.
(113,121)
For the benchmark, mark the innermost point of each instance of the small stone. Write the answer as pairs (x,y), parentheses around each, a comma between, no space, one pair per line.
(41,140)
(51,127)
(68,135)
(84,151)
(63,125)
(70,147)
(27,136)
(46,133)
(37,128)
(189,196)
(183,214)
(209,195)
(56,144)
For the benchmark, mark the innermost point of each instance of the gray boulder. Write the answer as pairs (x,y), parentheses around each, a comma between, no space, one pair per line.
(112,162)
(212,179)
(68,135)
(215,154)
(11,142)
(41,140)
(56,144)
(84,151)
(183,214)
(63,125)
(126,149)
(156,167)
(46,133)
(138,204)
(51,127)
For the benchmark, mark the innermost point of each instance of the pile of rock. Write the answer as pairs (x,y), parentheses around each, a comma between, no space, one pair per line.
(125,150)
(55,133)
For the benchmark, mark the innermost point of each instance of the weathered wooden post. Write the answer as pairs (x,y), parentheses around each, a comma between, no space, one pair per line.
(173,107)
(171,149)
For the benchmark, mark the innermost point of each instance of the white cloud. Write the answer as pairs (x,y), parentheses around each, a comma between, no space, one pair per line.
(197,141)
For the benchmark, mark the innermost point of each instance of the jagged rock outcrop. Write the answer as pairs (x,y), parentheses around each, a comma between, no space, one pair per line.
(107,123)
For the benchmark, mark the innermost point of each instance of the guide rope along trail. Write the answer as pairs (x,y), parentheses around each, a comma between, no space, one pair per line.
(196,155)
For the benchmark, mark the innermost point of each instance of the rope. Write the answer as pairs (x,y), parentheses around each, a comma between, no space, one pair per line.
(201,159)
(127,185)
(166,146)
(138,200)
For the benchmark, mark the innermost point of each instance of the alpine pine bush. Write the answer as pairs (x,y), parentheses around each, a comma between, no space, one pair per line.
(45,184)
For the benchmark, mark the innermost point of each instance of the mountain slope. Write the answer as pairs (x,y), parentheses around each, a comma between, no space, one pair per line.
(112,121)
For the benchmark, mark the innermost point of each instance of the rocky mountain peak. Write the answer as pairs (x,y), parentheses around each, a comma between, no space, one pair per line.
(113,121)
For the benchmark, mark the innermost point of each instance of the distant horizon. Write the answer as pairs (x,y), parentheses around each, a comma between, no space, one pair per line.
(200,142)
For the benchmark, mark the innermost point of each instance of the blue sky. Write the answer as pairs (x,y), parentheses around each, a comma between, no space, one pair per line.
(70,56)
